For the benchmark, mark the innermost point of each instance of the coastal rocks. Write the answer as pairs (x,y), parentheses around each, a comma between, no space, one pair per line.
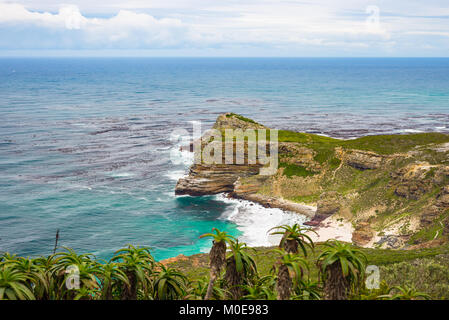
(273,202)
(363,160)
(410,182)
(301,156)
(442,147)
(428,216)
(328,204)
(427,245)
(362,234)
(443,198)
(390,241)
(188,147)
(412,175)
(446,227)
(240,190)
(441,175)
(233,121)
(208,179)
(411,189)
(213,179)
(178,258)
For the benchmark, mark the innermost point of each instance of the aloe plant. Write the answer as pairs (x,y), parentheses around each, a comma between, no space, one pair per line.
(341,268)
(217,256)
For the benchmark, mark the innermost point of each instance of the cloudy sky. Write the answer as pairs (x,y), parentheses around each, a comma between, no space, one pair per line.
(225,28)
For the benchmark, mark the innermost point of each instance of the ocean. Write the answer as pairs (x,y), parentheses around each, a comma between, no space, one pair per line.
(85,148)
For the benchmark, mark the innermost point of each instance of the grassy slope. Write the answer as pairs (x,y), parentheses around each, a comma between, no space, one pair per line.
(426,269)
(362,191)
(371,187)
(382,144)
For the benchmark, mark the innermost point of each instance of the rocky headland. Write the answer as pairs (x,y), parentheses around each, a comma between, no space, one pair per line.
(389,191)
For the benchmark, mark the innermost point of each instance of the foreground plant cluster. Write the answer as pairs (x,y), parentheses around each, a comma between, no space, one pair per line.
(133,274)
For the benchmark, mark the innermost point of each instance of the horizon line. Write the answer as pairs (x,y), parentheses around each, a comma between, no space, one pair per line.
(221,57)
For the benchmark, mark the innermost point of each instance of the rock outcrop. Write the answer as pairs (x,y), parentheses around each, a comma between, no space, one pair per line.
(212,179)
(443,198)
(362,234)
(328,204)
(205,179)
(441,174)
(364,160)
(429,215)
(298,155)
(411,181)
(234,121)
(391,241)
(395,192)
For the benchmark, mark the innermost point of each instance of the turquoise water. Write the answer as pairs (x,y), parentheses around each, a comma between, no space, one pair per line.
(84,143)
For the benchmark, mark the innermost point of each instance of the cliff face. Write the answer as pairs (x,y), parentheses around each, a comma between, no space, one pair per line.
(395,189)
(212,179)
(364,160)
(207,179)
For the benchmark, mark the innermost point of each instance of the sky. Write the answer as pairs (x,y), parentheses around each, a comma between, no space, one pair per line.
(235,28)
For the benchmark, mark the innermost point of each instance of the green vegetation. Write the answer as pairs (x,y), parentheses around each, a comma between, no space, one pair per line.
(240,117)
(429,274)
(305,199)
(342,268)
(294,238)
(297,269)
(131,274)
(217,257)
(332,270)
(382,144)
(389,144)
(290,269)
(434,231)
(295,170)
(427,268)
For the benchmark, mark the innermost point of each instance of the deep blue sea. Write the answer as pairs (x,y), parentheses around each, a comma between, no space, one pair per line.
(84,143)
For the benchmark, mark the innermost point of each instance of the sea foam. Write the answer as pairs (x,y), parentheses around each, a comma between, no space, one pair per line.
(255,221)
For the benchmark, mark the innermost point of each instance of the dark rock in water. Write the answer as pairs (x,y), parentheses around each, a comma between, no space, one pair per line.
(441,174)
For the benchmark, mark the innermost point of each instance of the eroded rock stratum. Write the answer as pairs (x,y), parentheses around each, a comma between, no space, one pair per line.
(393,188)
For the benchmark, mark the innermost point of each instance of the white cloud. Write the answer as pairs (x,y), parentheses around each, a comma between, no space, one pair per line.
(297,26)
(68,16)
(126,28)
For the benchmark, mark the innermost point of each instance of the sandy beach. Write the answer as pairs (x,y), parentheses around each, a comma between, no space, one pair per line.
(332,227)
